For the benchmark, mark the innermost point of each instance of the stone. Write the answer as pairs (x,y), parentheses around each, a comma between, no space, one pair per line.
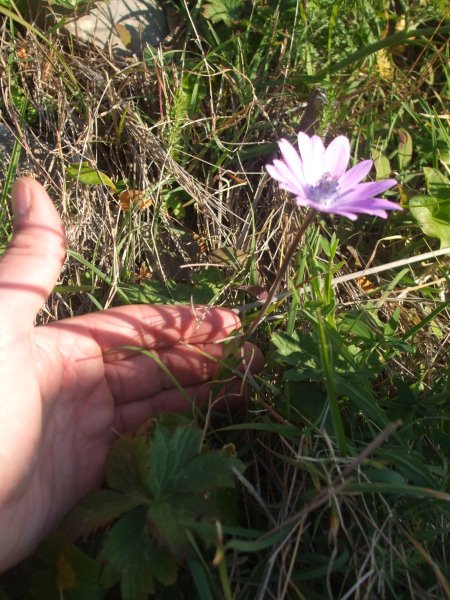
(126,26)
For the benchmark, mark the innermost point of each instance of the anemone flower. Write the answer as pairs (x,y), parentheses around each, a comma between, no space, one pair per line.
(318,178)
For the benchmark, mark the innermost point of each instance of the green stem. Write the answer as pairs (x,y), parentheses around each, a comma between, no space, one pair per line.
(328,372)
(281,273)
(224,580)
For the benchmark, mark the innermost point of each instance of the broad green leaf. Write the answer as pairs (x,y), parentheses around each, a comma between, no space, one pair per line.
(168,453)
(362,398)
(127,554)
(438,185)
(177,466)
(287,344)
(433,212)
(171,523)
(97,510)
(210,470)
(222,10)
(126,465)
(433,216)
(170,292)
(88,175)
(381,163)
(164,565)
(405,148)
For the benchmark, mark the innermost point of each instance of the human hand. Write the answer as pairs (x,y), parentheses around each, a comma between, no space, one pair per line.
(68,389)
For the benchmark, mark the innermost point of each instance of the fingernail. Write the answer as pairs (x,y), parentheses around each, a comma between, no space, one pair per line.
(21,199)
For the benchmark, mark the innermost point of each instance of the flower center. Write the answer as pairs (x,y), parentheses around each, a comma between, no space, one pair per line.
(325,190)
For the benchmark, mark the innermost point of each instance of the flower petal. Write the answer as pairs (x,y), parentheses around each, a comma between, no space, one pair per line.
(355,174)
(336,157)
(292,159)
(371,203)
(363,191)
(317,178)
(310,150)
(281,172)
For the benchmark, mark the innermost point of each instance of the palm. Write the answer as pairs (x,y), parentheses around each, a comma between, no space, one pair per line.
(68,389)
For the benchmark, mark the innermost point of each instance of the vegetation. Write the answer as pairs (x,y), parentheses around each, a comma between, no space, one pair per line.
(157,168)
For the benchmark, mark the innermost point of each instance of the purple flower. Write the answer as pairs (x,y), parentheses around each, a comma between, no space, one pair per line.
(318,178)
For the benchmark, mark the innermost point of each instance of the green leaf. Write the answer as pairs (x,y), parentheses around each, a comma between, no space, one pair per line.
(65,572)
(176,467)
(438,185)
(205,472)
(405,148)
(386,488)
(222,10)
(200,577)
(169,292)
(97,510)
(126,465)
(411,467)
(433,216)
(182,480)
(88,175)
(169,452)
(361,396)
(171,523)
(164,565)
(78,575)
(381,162)
(433,212)
(128,556)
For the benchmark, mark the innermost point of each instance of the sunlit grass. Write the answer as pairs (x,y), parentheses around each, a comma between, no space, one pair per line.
(192,126)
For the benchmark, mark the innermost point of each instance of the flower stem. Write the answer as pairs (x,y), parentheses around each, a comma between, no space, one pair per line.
(284,267)
(326,356)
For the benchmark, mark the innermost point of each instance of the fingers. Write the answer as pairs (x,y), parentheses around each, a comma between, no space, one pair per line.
(134,409)
(151,327)
(141,376)
(129,417)
(31,264)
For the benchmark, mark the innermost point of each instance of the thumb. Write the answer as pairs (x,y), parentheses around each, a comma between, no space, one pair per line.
(32,262)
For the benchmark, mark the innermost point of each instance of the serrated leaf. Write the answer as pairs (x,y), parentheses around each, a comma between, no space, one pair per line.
(222,10)
(126,465)
(127,554)
(405,148)
(164,565)
(171,522)
(181,479)
(168,453)
(206,472)
(177,467)
(84,173)
(97,510)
